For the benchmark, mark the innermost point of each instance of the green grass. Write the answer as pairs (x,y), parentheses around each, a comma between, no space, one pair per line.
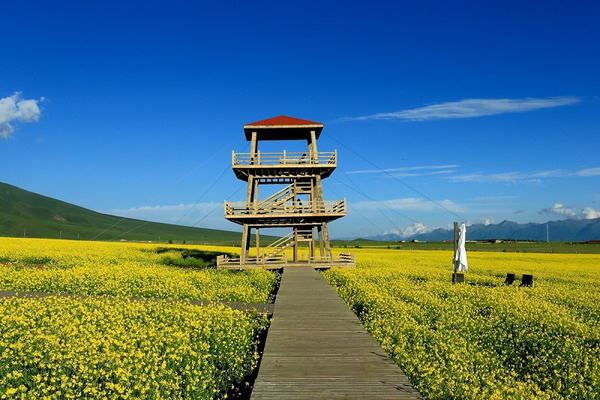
(190,258)
(33,215)
(24,213)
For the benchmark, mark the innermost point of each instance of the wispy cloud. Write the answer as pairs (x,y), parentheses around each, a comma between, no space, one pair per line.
(494,198)
(406,204)
(207,214)
(13,109)
(516,176)
(562,211)
(410,171)
(470,108)
(589,172)
(482,177)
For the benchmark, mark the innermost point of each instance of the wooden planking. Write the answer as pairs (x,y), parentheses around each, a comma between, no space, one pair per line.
(317,348)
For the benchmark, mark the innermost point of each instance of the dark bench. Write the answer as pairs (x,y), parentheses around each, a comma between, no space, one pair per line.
(510,278)
(527,281)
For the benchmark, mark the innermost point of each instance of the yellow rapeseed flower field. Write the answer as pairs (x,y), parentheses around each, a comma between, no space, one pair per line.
(482,339)
(120,269)
(100,343)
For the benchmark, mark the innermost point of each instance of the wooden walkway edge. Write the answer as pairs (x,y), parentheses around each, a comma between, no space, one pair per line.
(317,348)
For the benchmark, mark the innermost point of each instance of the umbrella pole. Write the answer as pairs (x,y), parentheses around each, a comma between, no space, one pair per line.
(456,276)
(455,245)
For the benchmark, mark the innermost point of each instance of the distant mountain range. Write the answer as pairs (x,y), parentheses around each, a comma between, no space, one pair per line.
(24,213)
(570,230)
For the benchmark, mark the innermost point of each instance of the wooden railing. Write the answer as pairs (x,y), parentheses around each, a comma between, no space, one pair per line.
(284,158)
(342,258)
(307,207)
(346,257)
(224,261)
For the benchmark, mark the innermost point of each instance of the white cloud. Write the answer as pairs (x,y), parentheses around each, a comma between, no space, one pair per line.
(480,177)
(415,229)
(406,204)
(589,172)
(403,169)
(470,108)
(402,172)
(414,174)
(13,109)
(590,213)
(488,221)
(209,214)
(562,211)
(516,176)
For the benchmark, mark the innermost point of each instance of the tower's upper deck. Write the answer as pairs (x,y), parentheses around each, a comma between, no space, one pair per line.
(283,167)
(283,128)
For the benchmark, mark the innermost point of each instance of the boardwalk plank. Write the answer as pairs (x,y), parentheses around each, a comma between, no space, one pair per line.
(317,348)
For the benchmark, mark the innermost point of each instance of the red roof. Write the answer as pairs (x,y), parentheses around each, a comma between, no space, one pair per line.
(284,120)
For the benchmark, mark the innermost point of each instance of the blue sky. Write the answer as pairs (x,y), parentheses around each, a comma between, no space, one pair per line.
(440,111)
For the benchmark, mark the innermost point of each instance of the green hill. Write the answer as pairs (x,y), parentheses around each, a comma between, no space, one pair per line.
(24,213)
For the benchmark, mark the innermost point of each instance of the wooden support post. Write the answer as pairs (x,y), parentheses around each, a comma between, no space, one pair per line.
(255,195)
(245,243)
(257,245)
(321,241)
(250,191)
(253,148)
(326,238)
(312,148)
(295,244)
(295,194)
(319,187)
(312,243)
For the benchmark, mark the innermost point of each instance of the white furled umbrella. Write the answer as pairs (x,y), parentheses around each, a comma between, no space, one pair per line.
(460,255)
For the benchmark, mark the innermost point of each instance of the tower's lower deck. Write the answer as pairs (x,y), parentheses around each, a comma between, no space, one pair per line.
(275,263)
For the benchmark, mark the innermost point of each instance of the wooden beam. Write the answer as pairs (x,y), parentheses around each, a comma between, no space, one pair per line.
(326,239)
(257,245)
(249,191)
(321,241)
(245,243)
(255,195)
(312,147)
(312,243)
(253,147)
(319,186)
(295,244)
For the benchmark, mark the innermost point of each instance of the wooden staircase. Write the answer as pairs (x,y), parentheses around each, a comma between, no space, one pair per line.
(300,235)
(283,196)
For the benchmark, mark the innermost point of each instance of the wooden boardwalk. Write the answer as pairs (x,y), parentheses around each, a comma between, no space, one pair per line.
(317,348)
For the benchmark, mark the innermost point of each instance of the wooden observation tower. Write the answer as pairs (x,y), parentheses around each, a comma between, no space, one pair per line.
(299,205)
